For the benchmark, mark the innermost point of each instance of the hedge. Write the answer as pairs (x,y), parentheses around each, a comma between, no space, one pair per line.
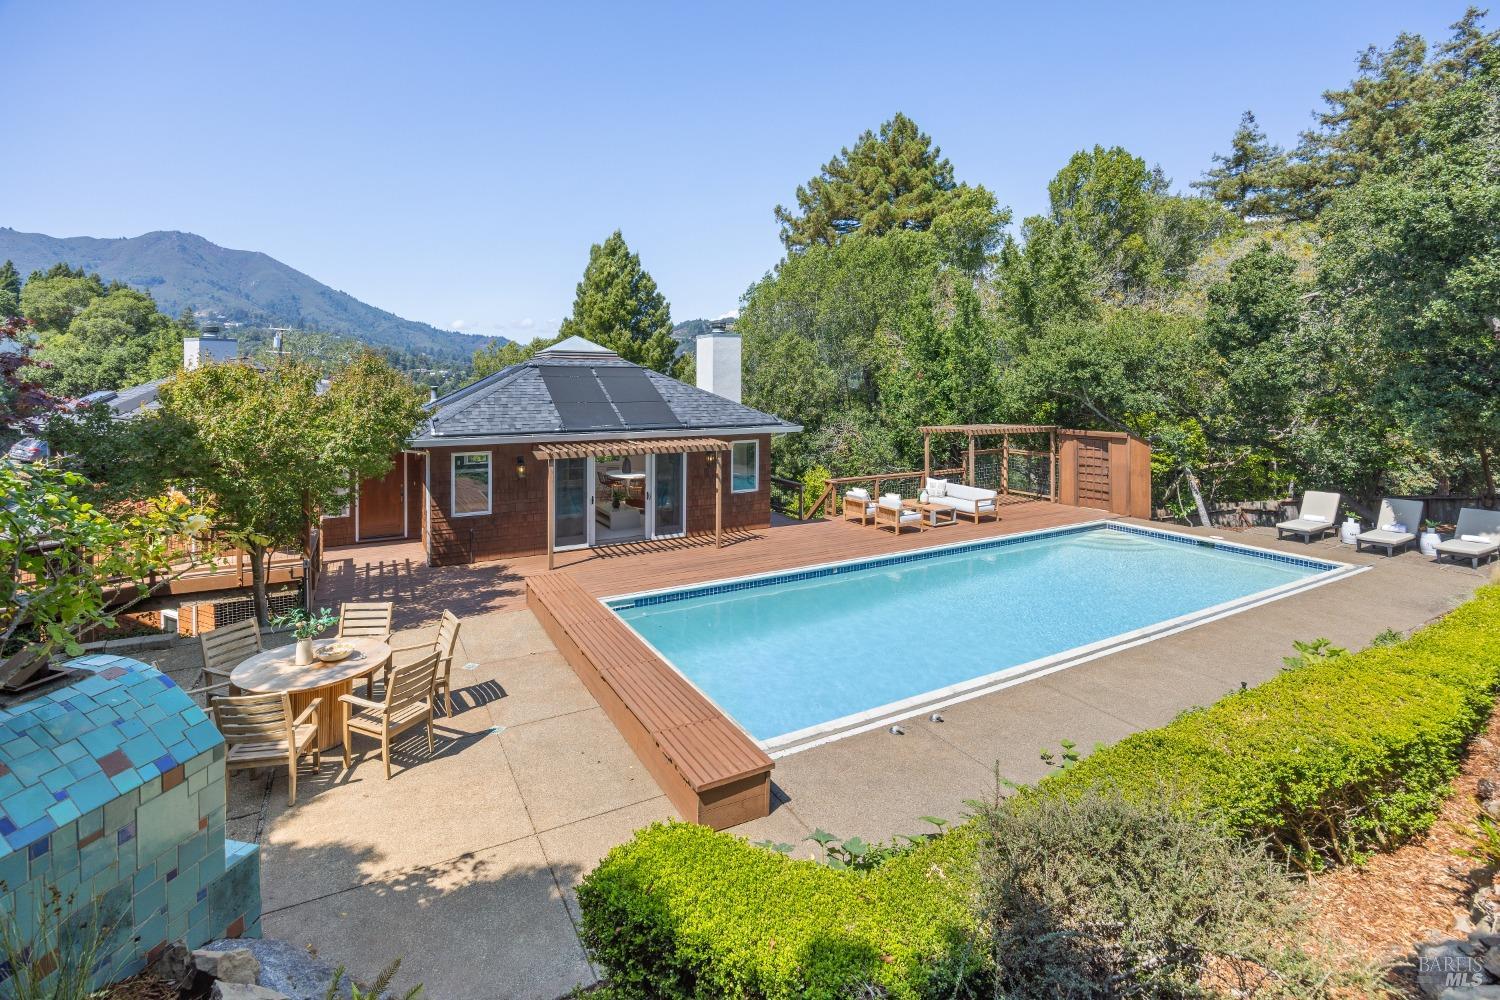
(1333,758)
(1328,759)
(683,911)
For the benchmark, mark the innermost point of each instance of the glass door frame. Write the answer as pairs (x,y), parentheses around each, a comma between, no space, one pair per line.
(651,531)
(588,508)
(591,484)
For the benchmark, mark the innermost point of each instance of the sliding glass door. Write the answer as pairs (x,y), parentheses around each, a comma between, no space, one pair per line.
(574,505)
(668,495)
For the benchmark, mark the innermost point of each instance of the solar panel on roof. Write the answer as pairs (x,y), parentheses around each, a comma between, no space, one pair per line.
(637,399)
(579,399)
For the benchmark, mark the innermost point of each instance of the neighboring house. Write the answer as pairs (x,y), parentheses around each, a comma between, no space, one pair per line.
(138,399)
(632,455)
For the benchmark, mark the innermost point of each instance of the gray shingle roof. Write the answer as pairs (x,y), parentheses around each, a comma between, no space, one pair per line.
(514,402)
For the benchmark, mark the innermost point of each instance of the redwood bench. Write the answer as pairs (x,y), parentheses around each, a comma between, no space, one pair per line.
(708,767)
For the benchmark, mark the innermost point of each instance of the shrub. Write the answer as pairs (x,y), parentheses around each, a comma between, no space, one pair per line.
(682,911)
(1096,895)
(1334,758)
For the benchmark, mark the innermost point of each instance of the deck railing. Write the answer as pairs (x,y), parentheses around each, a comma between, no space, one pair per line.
(783,487)
(831,494)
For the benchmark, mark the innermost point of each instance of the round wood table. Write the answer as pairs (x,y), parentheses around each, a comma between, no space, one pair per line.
(276,670)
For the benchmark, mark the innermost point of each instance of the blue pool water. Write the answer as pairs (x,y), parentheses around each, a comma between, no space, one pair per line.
(783,654)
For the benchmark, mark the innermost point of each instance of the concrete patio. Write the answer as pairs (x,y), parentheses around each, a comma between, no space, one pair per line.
(465,865)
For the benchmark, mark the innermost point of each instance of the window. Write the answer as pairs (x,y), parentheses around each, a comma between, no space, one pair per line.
(342,510)
(744,467)
(471,483)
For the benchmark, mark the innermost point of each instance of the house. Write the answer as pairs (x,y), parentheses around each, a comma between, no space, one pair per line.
(575,447)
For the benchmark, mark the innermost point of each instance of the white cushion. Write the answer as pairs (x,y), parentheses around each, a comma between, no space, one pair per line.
(958,491)
(937,488)
(892,497)
(890,503)
(1314,517)
(858,493)
(1474,538)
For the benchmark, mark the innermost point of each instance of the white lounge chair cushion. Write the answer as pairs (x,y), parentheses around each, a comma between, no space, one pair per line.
(1314,517)
(1476,538)
(858,493)
(891,501)
(1386,537)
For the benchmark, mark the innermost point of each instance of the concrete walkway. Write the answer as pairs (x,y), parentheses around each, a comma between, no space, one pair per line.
(464,865)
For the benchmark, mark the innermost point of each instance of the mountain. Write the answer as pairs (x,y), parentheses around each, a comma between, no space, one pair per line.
(688,331)
(243,286)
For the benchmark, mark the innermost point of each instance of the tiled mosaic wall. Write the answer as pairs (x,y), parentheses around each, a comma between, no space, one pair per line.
(112,794)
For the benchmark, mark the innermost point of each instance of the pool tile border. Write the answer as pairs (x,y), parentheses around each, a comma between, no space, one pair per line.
(919,555)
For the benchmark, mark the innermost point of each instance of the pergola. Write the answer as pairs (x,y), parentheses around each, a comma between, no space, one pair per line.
(1004,430)
(550,453)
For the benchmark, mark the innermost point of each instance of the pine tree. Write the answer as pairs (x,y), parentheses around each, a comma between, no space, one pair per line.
(618,306)
(10,291)
(896,180)
(1245,181)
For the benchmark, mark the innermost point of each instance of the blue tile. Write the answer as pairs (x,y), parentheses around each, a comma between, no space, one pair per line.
(39,847)
(27,805)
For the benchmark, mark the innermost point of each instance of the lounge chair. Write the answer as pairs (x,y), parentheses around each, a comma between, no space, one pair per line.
(858,506)
(972,502)
(259,731)
(1477,536)
(1395,526)
(891,512)
(1319,513)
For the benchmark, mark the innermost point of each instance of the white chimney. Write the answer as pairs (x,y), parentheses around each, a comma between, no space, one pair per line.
(208,349)
(719,355)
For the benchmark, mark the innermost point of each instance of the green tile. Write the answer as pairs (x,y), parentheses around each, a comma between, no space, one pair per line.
(164,821)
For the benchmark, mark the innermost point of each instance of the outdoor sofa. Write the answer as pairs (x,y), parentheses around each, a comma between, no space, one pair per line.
(1316,519)
(965,501)
(1395,526)
(1476,537)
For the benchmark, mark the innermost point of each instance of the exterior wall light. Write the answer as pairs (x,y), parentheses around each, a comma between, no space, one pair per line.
(520,466)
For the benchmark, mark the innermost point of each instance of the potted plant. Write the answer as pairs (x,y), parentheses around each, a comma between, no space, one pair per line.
(617,497)
(305,628)
(1349,530)
(1428,542)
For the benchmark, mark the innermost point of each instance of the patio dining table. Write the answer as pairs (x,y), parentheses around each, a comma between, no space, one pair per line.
(276,670)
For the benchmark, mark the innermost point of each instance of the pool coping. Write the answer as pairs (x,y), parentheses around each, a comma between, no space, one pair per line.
(786,744)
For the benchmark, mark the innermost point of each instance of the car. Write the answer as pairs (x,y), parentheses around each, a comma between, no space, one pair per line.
(29,449)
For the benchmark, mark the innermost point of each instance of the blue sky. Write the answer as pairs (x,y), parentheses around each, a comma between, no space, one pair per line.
(452,162)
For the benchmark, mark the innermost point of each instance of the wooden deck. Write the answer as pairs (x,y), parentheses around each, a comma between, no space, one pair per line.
(397,571)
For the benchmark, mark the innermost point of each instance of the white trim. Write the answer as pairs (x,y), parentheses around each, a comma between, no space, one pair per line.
(405,517)
(821,734)
(355,493)
(489,484)
(735,444)
(561,437)
(427,506)
(681,458)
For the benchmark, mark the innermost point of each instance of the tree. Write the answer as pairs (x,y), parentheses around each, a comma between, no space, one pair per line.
(1050,275)
(501,354)
(10,291)
(618,306)
(1141,238)
(1411,257)
(275,453)
(894,181)
(62,555)
(22,400)
(1374,123)
(94,336)
(1245,181)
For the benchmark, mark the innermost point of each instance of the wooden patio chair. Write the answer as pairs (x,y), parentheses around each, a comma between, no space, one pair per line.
(892,512)
(444,643)
(259,731)
(408,703)
(225,648)
(373,620)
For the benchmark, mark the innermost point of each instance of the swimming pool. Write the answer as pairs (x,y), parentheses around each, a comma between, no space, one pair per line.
(795,654)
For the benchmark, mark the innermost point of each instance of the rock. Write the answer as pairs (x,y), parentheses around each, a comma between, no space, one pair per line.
(1443,966)
(1491,807)
(230,965)
(1491,963)
(175,966)
(1486,788)
(243,991)
(287,968)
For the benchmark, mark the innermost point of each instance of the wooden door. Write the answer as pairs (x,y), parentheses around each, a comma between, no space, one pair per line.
(382,511)
(1093,473)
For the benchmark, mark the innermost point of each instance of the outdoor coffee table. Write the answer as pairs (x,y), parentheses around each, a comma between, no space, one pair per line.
(276,670)
(936,515)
